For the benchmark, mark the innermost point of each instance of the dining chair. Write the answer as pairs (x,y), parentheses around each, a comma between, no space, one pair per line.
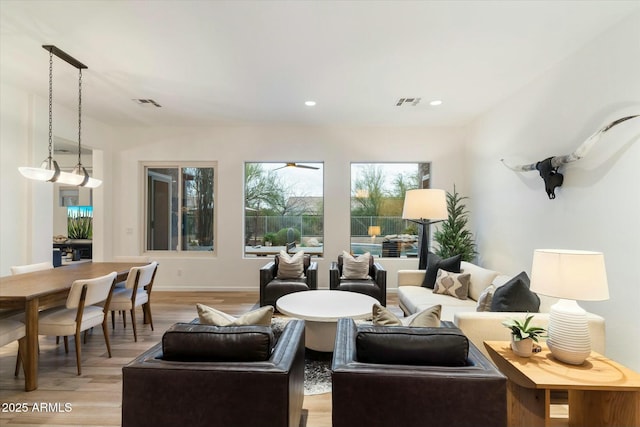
(10,331)
(13,315)
(80,313)
(137,292)
(28,268)
(130,258)
(22,269)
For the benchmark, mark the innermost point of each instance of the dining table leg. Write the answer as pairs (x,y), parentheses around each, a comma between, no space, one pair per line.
(30,359)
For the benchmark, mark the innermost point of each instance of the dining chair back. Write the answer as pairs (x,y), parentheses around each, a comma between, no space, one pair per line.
(80,312)
(28,268)
(137,292)
(130,258)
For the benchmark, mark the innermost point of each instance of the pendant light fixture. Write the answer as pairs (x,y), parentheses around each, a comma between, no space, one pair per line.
(49,169)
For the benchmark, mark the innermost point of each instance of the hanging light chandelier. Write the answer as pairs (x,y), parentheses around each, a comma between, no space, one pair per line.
(49,169)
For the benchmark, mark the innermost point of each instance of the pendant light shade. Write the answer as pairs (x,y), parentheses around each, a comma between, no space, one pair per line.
(49,169)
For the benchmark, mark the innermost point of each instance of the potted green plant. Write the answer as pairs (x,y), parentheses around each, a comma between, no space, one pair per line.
(523,335)
(453,237)
(269,238)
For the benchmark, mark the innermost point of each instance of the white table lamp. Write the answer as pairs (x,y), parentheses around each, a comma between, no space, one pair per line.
(569,275)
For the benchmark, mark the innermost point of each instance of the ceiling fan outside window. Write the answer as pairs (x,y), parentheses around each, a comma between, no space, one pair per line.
(296,165)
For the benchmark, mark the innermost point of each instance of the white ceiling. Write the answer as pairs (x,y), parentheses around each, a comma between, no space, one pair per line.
(209,62)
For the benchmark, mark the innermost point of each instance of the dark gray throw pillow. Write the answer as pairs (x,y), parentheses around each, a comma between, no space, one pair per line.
(515,296)
(434,262)
(191,342)
(399,345)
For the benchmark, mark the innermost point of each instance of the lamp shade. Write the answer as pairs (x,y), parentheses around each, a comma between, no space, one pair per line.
(38,174)
(374,230)
(425,204)
(569,274)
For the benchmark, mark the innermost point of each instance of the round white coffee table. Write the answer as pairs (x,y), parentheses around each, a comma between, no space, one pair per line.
(321,309)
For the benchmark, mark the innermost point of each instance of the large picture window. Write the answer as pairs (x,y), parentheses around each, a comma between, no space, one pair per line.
(180,209)
(377,198)
(284,208)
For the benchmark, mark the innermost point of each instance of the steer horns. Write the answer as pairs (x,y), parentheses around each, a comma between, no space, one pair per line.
(548,167)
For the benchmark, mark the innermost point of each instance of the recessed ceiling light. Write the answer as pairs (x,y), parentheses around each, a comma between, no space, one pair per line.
(435,102)
(310,103)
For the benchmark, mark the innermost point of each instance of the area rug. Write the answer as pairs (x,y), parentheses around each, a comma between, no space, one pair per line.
(317,372)
(317,365)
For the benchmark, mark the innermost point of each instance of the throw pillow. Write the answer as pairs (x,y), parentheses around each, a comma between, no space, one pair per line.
(188,342)
(434,262)
(412,346)
(453,284)
(210,316)
(291,267)
(427,318)
(355,268)
(515,296)
(484,301)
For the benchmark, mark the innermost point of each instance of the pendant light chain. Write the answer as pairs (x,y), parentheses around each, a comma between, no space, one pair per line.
(50,103)
(79,113)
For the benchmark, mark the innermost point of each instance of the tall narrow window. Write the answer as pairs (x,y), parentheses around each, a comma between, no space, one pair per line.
(180,209)
(377,198)
(284,208)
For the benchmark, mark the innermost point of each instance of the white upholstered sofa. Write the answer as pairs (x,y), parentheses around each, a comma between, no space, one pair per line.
(485,325)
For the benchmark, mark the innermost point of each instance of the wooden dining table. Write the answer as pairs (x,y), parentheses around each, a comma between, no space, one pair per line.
(39,290)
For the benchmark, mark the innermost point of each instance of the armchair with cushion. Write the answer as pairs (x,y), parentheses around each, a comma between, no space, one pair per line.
(274,282)
(411,377)
(374,283)
(205,375)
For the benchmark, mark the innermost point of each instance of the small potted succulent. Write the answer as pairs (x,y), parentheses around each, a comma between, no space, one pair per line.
(523,335)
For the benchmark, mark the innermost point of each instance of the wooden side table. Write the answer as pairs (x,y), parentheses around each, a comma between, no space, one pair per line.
(601,391)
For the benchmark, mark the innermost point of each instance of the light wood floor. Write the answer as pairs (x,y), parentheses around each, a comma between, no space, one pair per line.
(94,398)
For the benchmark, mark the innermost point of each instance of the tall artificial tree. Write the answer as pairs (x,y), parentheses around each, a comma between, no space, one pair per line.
(453,237)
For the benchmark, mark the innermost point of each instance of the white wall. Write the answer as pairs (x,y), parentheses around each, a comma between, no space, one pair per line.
(598,207)
(231,147)
(14,224)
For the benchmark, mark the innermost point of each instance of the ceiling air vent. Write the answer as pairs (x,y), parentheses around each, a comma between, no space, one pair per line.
(147,102)
(410,102)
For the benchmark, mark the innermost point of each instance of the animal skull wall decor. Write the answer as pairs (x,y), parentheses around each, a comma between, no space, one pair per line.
(548,168)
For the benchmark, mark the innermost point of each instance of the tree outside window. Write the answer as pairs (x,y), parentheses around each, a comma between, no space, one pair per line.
(377,198)
(284,204)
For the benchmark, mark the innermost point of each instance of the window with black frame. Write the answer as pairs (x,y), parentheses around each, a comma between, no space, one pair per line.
(284,208)
(377,197)
(180,208)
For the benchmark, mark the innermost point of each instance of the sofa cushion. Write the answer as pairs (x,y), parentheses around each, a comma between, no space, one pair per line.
(484,302)
(429,317)
(355,267)
(210,316)
(188,342)
(480,278)
(290,267)
(411,346)
(515,296)
(434,262)
(415,298)
(454,284)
